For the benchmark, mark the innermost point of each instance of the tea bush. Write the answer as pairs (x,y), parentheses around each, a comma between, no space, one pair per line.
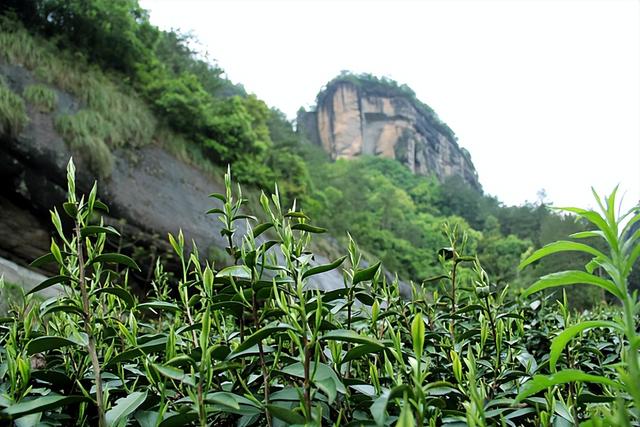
(255,344)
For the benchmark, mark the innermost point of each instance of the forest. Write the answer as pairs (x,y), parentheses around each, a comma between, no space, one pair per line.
(456,309)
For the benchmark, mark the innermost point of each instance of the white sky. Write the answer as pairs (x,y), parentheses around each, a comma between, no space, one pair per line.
(544,94)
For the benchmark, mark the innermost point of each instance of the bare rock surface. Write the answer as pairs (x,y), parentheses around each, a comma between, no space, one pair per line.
(369,119)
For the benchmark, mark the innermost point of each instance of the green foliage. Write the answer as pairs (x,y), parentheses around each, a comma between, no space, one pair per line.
(41,96)
(256,344)
(382,204)
(615,263)
(116,34)
(13,116)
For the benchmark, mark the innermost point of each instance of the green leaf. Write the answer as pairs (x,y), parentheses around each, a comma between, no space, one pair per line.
(65,308)
(159,305)
(587,234)
(43,260)
(55,250)
(406,416)
(91,230)
(417,335)
(324,378)
(215,211)
(251,351)
(175,374)
(179,419)
(558,344)
(253,339)
(153,346)
(572,277)
(236,271)
(285,415)
(292,214)
(41,404)
(121,293)
(360,351)
(560,246)
(261,228)
(224,398)
(31,420)
(542,382)
(322,268)
(99,205)
(597,220)
(117,259)
(348,335)
(147,418)
(47,343)
(379,406)
(218,196)
(70,208)
(366,274)
(63,280)
(308,228)
(124,407)
(365,298)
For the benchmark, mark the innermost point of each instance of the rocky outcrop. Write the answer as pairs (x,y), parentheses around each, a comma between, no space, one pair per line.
(356,117)
(150,193)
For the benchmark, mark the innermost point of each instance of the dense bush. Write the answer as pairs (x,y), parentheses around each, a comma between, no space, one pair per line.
(255,344)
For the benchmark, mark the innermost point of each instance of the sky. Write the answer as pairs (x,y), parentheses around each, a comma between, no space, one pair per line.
(544,94)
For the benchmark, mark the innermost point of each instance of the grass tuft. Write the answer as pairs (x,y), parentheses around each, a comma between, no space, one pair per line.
(86,132)
(13,115)
(43,97)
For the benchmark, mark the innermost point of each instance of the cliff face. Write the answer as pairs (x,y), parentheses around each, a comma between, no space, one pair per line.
(355,119)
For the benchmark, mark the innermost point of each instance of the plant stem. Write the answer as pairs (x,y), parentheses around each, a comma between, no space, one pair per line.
(453,296)
(632,356)
(495,344)
(263,366)
(307,379)
(91,344)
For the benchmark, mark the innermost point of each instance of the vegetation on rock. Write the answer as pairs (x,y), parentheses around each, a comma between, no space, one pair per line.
(13,115)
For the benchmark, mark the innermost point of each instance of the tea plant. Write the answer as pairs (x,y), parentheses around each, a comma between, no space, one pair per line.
(608,270)
(258,343)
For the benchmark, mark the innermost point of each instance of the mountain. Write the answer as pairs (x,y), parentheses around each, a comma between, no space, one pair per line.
(364,115)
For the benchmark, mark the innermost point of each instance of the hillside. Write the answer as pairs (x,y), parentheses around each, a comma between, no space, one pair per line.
(166,111)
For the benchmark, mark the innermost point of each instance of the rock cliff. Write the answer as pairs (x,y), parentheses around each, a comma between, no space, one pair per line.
(367,116)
